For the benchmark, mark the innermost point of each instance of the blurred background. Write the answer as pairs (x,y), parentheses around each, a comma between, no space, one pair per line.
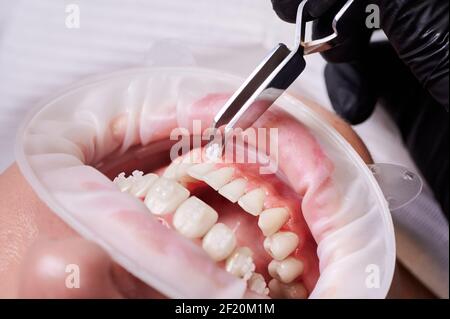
(43,49)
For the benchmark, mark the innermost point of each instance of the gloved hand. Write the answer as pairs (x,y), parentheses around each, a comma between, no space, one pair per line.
(417,31)
(408,75)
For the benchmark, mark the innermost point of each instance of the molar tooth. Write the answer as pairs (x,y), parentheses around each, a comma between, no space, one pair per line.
(165,196)
(289,291)
(253,201)
(199,170)
(295,291)
(287,270)
(281,244)
(218,178)
(193,218)
(275,289)
(219,242)
(122,182)
(240,263)
(257,284)
(234,190)
(142,184)
(271,220)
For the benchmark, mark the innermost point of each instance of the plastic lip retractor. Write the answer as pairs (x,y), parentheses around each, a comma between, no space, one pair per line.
(280,68)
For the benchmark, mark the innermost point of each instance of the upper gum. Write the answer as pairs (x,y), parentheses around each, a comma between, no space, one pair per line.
(272,199)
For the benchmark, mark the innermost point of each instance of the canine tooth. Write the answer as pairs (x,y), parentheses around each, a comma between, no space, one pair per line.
(281,244)
(142,184)
(165,196)
(219,242)
(257,284)
(199,170)
(218,178)
(253,201)
(193,218)
(287,270)
(240,263)
(234,190)
(124,183)
(271,220)
(288,291)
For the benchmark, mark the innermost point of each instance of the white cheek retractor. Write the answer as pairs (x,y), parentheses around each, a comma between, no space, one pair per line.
(62,141)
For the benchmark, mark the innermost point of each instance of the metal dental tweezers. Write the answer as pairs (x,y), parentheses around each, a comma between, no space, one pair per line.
(274,75)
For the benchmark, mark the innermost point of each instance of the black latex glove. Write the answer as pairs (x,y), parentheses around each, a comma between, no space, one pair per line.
(416,29)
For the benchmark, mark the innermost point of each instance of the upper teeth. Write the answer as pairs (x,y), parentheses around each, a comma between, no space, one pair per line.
(218,178)
(253,201)
(137,184)
(240,263)
(199,170)
(178,172)
(219,242)
(142,185)
(165,196)
(234,190)
(194,218)
(281,244)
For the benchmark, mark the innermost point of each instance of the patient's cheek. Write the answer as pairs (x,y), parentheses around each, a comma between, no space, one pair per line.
(70,268)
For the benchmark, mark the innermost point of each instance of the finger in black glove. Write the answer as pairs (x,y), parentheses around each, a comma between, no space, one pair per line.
(287,9)
(417,30)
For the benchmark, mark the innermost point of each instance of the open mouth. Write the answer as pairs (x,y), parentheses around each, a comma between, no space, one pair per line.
(249,224)
(208,229)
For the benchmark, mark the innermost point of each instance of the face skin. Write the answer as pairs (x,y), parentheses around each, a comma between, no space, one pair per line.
(36,246)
